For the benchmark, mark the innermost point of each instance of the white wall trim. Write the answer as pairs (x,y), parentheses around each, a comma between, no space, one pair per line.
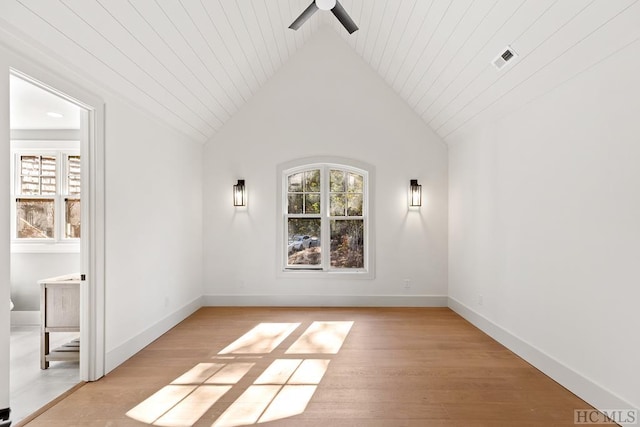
(25,318)
(575,382)
(325,300)
(124,351)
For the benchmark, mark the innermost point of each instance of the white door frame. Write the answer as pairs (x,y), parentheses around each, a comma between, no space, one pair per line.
(92,316)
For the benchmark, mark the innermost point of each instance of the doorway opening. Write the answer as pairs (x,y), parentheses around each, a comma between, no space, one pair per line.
(51,136)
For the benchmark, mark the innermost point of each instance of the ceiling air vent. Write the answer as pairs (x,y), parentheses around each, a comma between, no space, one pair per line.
(506,56)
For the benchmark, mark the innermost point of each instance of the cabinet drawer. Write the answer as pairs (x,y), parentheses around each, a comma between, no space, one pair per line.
(62,305)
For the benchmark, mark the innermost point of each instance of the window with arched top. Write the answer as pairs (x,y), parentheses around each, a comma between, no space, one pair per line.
(325,218)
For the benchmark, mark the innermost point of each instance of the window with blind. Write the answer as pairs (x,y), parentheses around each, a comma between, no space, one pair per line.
(46,192)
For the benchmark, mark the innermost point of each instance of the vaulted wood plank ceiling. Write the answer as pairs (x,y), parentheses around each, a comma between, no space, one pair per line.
(194,63)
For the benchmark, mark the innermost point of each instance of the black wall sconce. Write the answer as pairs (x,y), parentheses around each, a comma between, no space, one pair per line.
(239,194)
(415,193)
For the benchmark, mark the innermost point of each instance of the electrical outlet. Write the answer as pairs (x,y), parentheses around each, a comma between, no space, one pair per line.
(407,283)
(480,299)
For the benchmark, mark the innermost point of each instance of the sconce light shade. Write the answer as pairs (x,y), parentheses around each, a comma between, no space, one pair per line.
(239,194)
(415,193)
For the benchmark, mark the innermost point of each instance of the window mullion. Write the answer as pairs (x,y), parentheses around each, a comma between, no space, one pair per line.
(325,244)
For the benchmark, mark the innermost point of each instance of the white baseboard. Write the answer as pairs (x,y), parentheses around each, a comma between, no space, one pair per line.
(581,386)
(118,355)
(325,300)
(25,318)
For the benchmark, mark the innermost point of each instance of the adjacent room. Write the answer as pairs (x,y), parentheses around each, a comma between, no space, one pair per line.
(304,212)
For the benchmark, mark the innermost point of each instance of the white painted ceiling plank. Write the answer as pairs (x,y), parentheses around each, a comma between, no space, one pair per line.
(169,32)
(91,41)
(471,21)
(449,25)
(421,43)
(398,32)
(594,22)
(476,77)
(105,24)
(204,57)
(471,102)
(411,34)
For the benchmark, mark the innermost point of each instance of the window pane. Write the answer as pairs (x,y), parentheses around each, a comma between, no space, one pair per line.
(73,175)
(312,203)
(354,184)
(295,204)
(354,204)
(72,218)
(38,175)
(304,242)
(295,182)
(34,218)
(30,165)
(337,204)
(336,181)
(48,166)
(29,185)
(347,243)
(48,186)
(312,180)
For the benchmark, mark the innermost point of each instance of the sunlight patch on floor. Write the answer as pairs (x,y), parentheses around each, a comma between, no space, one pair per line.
(264,338)
(291,401)
(282,390)
(248,407)
(190,409)
(321,338)
(198,374)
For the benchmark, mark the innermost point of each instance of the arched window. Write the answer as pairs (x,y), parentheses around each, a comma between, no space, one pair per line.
(325,218)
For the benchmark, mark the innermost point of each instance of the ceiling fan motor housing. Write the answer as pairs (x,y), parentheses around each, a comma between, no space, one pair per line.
(326,4)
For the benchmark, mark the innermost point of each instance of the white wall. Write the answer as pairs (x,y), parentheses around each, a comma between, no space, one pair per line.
(544,224)
(319,107)
(154,227)
(153,216)
(28,268)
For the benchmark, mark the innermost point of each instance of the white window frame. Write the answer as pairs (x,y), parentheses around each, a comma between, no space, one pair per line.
(325,270)
(60,149)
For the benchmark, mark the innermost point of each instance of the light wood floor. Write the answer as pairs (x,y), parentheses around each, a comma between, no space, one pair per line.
(396,367)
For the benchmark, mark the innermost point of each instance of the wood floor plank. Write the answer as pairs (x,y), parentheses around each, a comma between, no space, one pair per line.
(396,367)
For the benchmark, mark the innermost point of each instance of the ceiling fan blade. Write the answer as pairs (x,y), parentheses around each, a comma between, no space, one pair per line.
(344,18)
(304,16)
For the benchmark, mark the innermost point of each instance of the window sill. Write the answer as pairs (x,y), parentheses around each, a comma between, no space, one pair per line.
(319,274)
(45,247)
